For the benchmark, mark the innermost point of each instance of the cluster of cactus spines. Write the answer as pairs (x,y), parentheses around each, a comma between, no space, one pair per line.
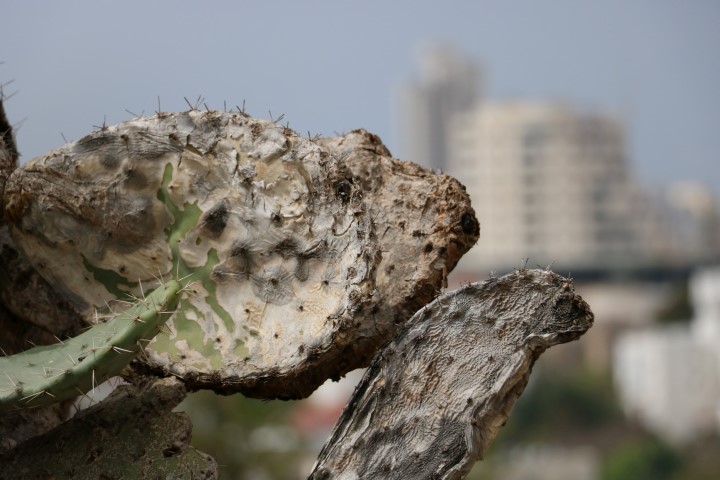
(269,224)
(47,374)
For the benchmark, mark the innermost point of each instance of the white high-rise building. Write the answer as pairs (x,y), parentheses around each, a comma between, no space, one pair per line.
(669,377)
(548,184)
(693,213)
(449,83)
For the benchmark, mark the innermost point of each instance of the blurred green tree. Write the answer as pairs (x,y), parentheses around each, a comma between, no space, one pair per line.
(557,404)
(648,459)
(251,439)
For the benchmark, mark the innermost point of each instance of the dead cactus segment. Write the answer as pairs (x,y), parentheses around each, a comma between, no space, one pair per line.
(437,395)
(8,151)
(424,224)
(132,434)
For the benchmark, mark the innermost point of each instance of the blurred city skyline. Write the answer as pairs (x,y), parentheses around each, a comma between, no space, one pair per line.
(550,182)
(333,68)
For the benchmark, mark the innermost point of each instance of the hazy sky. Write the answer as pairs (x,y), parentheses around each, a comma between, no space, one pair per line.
(337,65)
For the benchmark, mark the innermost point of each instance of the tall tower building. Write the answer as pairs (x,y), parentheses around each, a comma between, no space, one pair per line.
(547,183)
(448,84)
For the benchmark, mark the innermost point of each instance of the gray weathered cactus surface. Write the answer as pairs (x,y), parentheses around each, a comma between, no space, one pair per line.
(25,295)
(436,396)
(284,236)
(8,150)
(132,434)
(422,226)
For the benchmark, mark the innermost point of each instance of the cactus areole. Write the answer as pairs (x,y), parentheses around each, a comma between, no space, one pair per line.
(271,228)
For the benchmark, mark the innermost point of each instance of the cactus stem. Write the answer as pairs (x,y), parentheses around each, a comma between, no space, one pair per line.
(46,374)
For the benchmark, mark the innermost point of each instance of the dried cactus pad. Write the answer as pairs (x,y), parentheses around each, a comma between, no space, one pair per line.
(269,226)
(424,223)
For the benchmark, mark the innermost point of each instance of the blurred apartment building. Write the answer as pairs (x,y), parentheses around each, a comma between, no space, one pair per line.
(668,377)
(448,84)
(549,183)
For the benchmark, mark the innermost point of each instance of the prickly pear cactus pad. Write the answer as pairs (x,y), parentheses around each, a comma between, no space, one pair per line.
(268,225)
(47,374)
(424,224)
(436,396)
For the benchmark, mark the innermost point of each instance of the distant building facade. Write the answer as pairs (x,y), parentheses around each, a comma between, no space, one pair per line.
(693,218)
(548,184)
(668,378)
(448,84)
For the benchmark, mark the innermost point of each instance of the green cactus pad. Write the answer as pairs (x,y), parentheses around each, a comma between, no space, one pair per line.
(47,374)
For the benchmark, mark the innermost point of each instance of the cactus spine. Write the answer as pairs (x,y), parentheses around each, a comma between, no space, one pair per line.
(47,374)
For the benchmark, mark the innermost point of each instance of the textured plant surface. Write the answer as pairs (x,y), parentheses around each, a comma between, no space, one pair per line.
(304,255)
(437,395)
(133,434)
(283,235)
(24,295)
(8,150)
(424,224)
(47,374)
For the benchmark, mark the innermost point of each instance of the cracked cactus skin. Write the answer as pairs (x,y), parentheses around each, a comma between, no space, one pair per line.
(424,223)
(268,225)
(44,375)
